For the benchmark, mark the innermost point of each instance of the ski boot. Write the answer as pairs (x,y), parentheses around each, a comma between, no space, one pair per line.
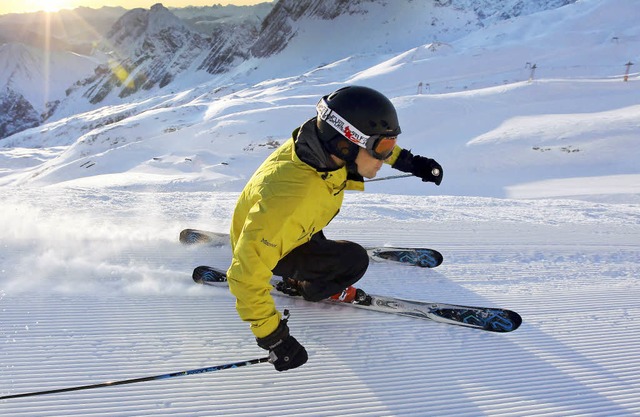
(352,295)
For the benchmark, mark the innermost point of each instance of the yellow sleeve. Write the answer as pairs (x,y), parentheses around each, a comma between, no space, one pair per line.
(394,155)
(271,230)
(255,255)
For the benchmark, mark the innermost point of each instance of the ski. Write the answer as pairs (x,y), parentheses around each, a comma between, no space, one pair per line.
(422,257)
(482,318)
(196,236)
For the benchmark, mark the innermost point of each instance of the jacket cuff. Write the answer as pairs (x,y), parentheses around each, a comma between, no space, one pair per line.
(394,155)
(263,328)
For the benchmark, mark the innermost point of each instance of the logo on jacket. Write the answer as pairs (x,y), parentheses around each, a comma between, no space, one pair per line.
(266,242)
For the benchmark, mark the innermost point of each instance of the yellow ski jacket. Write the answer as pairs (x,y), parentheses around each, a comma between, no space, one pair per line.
(284,203)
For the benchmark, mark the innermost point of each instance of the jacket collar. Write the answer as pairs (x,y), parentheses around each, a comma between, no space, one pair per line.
(309,148)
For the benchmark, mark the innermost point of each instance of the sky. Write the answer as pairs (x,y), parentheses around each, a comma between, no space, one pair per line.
(25,6)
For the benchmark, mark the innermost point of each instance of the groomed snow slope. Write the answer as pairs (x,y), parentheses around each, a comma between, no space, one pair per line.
(95,287)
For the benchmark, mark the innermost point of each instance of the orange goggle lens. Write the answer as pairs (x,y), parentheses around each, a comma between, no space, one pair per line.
(383,146)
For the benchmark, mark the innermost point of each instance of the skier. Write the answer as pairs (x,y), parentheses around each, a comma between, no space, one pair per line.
(279,217)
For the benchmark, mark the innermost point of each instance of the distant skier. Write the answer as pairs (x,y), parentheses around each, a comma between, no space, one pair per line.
(278,221)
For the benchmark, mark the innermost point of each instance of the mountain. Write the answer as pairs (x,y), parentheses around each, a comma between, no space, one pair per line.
(152,48)
(541,92)
(148,51)
(105,51)
(209,19)
(33,80)
(318,30)
(148,48)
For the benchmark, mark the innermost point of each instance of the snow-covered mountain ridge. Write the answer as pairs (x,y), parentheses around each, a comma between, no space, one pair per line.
(294,26)
(149,49)
(74,48)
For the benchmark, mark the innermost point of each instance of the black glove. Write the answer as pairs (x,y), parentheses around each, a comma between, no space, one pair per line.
(284,350)
(425,168)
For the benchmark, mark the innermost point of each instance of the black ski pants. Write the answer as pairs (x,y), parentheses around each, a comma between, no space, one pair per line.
(324,267)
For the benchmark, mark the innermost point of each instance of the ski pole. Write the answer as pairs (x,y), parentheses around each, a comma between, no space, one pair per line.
(435,172)
(392,177)
(143,379)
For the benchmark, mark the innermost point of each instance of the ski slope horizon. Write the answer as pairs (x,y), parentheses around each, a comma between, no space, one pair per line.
(538,212)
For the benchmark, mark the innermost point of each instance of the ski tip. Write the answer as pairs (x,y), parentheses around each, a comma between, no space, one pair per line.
(428,258)
(516,319)
(437,256)
(512,322)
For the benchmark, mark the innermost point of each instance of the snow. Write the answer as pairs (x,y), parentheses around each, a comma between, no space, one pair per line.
(539,212)
(117,303)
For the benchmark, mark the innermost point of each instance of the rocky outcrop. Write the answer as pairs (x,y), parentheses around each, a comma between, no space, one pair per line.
(228,47)
(490,10)
(279,25)
(149,48)
(16,113)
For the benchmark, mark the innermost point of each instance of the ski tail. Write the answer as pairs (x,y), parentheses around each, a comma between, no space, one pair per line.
(196,237)
(207,275)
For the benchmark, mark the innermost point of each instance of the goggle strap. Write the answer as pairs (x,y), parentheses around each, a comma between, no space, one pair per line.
(339,123)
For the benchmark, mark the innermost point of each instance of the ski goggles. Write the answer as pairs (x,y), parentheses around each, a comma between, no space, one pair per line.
(381,146)
(378,146)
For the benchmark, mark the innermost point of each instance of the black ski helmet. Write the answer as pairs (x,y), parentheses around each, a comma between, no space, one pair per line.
(362,108)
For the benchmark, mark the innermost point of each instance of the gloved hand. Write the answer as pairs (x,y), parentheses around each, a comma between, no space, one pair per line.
(284,350)
(425,168)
